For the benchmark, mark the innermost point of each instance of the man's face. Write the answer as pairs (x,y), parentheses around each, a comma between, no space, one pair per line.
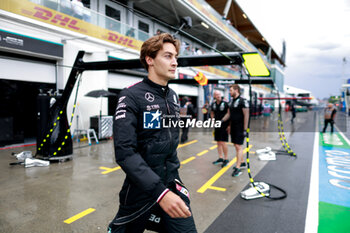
(165,63)
(217,96)
(233,92)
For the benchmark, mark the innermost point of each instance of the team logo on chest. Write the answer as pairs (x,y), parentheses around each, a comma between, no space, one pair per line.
(149,97)
(222,106)
(235,103)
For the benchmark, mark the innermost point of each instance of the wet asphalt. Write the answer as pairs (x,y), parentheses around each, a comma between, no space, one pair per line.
(44,199)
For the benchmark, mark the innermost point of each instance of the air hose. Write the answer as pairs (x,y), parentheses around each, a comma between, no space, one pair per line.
(253,183)
(281,133)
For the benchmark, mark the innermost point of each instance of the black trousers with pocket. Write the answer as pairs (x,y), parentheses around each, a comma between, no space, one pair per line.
(155,219)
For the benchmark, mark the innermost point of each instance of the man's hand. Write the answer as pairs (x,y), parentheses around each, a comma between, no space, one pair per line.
(228,129)
(174,206)
(245,133)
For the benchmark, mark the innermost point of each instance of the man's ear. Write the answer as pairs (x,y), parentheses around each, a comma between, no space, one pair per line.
(149,61)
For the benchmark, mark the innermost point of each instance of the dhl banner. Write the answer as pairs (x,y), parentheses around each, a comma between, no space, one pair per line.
(47,15)
(56,18)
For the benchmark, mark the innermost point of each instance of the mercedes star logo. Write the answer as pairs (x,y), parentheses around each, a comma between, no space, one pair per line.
(149,97)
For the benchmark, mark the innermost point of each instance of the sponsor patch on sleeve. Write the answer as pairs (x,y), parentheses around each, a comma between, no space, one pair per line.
(121,98)
(183,190)
(121,105)
(119,116)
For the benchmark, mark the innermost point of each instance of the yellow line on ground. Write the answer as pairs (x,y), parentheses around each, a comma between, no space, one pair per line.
(217,188)
(78,216)
(188,160)
(213,147)
(212,180)
(186,144)
(216,176)
(108,169)
(202,153)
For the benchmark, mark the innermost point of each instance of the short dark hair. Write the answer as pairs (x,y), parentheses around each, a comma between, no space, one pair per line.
(236,87)
(151,46)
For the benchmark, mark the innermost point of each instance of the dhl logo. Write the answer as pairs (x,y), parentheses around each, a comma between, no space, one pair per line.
(55,18)
(120,39)
(65,21)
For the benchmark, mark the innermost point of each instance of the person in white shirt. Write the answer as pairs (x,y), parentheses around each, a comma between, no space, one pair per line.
(78,9)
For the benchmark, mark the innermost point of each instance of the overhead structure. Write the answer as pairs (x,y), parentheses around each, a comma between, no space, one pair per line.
(57,139)
(245,26)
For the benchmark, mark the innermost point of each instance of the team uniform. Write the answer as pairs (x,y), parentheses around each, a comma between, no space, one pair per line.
(237,119)
(186,112)
(147,154)
(219,112)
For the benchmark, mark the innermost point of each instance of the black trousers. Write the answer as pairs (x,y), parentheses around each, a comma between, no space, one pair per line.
(184,136)
(151,221)
(155,219)
(326,121)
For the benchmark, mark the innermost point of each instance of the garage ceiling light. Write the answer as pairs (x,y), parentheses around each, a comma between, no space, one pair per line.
(205,25)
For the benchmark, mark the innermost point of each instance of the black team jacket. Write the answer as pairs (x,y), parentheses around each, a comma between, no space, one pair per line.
(144,149)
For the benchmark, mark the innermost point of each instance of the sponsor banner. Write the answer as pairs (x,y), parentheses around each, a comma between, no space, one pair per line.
(334,183)
(47,15)
(56,18)
(334,179)
(15,41)
(333,140)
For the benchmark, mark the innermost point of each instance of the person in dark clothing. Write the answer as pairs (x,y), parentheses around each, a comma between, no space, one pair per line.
(153,195)
(186,112)
(329,115)
(293,110)
(238,114)
(205,110)
(218,110)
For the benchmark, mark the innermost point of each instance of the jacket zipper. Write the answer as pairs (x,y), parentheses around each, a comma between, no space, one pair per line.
(127,194)
(169,113)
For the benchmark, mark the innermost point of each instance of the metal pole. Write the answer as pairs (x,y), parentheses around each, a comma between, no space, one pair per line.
(227,8)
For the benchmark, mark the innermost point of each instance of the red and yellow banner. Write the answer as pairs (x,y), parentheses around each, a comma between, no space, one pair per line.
(201,79)
(56,18)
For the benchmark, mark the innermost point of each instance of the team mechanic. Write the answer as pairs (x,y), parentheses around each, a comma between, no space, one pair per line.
(152,196)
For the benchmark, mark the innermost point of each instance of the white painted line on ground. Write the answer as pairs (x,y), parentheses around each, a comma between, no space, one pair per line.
(311,221)
(341,133)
